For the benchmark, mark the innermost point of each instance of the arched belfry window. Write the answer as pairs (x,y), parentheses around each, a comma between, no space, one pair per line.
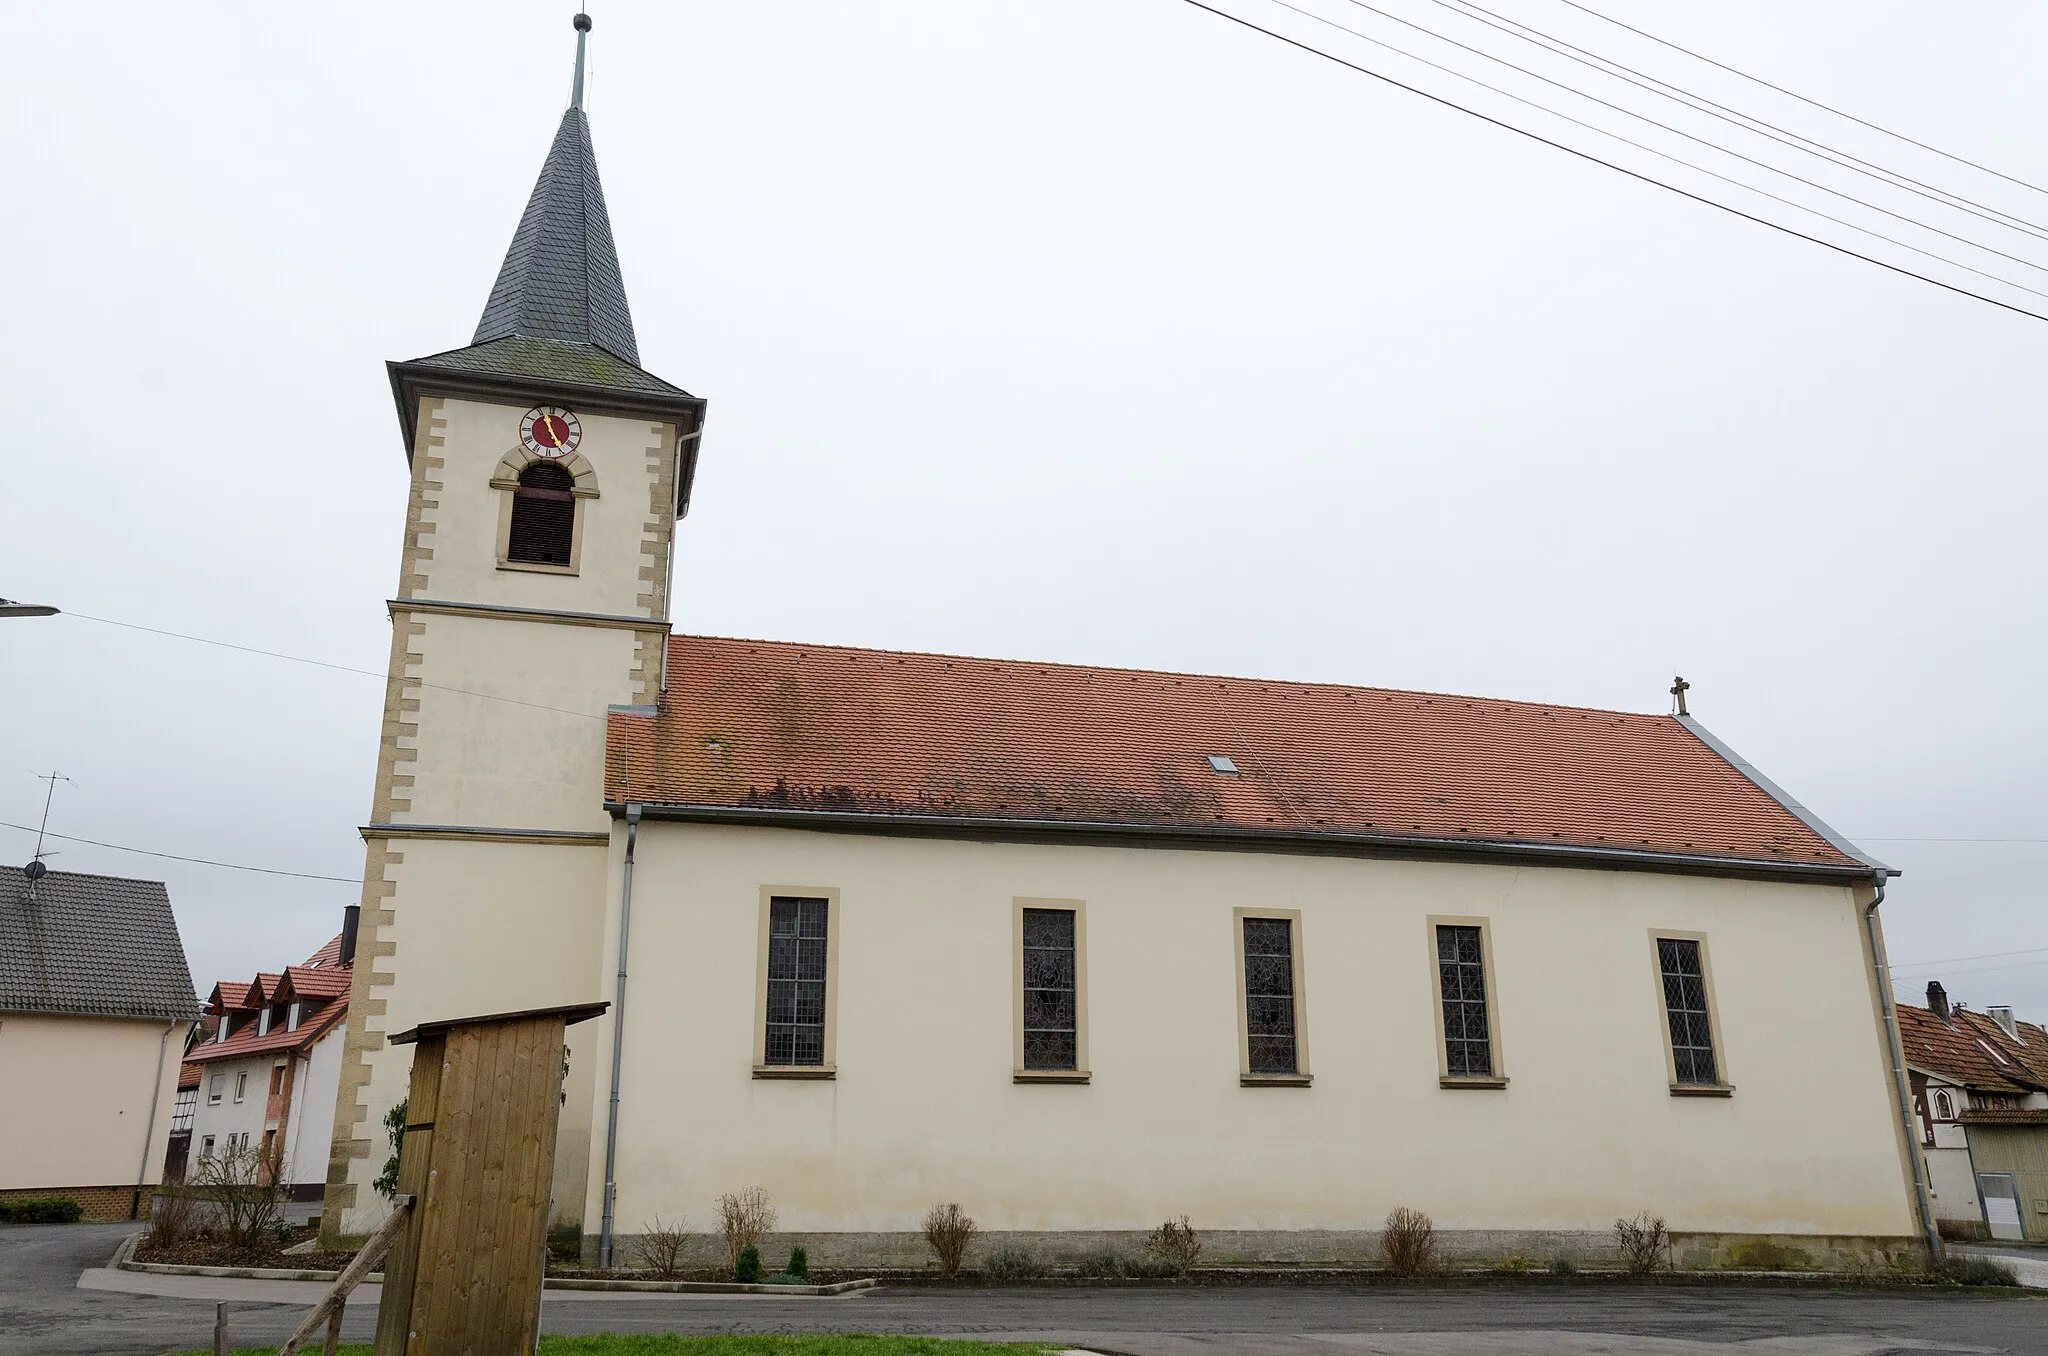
(543,516)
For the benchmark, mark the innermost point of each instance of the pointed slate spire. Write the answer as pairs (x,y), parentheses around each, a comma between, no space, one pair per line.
(560,279)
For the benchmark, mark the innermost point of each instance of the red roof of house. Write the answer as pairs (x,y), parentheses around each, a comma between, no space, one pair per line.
(301,982)
(1973,1051)
(771,726)
(327,955)
(246,1042)
(188,1075)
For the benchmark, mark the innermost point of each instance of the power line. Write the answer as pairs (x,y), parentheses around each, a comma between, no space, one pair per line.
(1637,174)
(1663,126)
(1958,960)
(1666,155)
(1466,9)
(1790,94)
(339,668)
(199,861)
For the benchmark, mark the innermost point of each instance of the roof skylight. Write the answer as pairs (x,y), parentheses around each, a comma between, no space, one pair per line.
(1222,765)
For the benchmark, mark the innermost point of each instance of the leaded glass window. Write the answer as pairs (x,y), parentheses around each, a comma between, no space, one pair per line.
(1049,990)
(1461,975)
(1269,1026)
(1685,1007)
(796,981)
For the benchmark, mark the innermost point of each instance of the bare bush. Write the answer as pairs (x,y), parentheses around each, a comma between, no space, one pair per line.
(948,1230)
(244,1199)
(1175,1246)
(743,1217)
(661,1246)
(1012,1262)
(173,1218)
(1643,1242)
(1408,1240)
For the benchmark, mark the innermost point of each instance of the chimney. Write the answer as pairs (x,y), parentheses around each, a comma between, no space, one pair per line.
(1937,1001)
(2003,1016)
(350,917)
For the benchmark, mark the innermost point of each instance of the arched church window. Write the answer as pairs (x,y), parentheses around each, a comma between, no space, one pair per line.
(1944,1108)
(543,516)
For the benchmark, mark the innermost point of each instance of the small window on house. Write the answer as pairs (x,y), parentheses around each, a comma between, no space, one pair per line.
(1944,1107)
(214,1087)
(276,1079)
(1461,985)
(1691,1025)
(1272,1012)
(206,1144)
(797,940)
(241,1085)
(1051,1018)
(543,528)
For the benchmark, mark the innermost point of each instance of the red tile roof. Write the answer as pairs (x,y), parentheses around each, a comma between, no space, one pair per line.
(246,1042)
(1973,1051)
(2005,1115)
(302,982)
(188,1075)
(765,725)
(329,954)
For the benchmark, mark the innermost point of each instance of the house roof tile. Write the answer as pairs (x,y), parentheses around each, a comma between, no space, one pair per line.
(766,725)
(100,946)
(245,1042)
(1972,1051)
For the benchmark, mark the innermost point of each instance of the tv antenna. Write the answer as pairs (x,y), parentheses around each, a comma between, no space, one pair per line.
(35,870)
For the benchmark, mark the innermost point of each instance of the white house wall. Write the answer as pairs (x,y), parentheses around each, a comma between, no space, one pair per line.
(311,1128)
(924,1109)
(61,1130)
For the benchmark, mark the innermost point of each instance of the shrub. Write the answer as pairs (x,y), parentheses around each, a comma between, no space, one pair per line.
(1563,1266)
(1408,1239)
(1174,1246)
(241,1189)
(799,1264)
(43,1210)
(1108,1264)
(386,1184)
(661,1246)
(1011,1262)
(1975,1271)
(1515,1264)
(171,1219)
(743,1217)
(947,1231)
(1643,1242)
(746,1269)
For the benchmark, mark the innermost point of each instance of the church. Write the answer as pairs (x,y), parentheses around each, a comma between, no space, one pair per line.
(1081,949)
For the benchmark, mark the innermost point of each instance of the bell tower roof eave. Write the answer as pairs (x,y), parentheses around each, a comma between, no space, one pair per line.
(425,377)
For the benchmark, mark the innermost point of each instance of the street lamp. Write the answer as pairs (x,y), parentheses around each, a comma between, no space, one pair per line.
(10,608)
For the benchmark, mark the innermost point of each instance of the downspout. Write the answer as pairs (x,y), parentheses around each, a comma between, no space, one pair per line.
(1901,1090)
(611,1125)
(156,1094)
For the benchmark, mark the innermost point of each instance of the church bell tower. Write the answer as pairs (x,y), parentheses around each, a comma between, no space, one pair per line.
(549,470)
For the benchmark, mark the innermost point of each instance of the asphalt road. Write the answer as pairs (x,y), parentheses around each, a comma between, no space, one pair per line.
(43,1313)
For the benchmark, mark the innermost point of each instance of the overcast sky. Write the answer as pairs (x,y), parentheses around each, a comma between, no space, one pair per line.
(1100,331)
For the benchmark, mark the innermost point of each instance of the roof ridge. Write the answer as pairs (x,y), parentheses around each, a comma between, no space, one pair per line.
(1183,673)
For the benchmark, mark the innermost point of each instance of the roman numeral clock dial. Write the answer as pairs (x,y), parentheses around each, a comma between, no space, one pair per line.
(550,431)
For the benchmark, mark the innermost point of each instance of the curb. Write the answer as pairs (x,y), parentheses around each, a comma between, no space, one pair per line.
(121,1262)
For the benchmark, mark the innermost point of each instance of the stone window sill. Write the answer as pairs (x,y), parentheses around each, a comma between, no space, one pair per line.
(1702,1089)
(536,567)
(1049,1076)
(799,1071)
(1447,1081)
(1268,1080)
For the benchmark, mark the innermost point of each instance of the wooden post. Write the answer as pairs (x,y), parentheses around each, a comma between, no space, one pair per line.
(479,1154)
(220,1329)
(333,1342)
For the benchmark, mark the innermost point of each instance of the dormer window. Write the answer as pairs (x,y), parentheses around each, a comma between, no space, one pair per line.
(543,517)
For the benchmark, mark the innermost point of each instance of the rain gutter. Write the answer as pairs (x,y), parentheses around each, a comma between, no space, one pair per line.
(611,1125)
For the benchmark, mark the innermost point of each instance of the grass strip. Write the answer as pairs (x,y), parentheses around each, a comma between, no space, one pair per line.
(821,1344)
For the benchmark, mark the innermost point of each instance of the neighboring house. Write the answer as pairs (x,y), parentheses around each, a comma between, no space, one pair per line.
(95,1004)
(267,1076)
(1980,1090)
(1080,948)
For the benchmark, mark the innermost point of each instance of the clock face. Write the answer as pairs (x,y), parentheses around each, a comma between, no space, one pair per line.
(550,431)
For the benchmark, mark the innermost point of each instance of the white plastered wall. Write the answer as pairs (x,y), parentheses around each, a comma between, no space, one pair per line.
(310,1129)
(464,566)
(924,1108)
(485,927)
(231,1117)
(58,1129)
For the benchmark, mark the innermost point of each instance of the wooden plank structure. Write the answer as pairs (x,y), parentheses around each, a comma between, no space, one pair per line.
(464,1277)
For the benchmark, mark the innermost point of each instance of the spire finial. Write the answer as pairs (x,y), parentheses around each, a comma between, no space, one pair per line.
(582,22)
